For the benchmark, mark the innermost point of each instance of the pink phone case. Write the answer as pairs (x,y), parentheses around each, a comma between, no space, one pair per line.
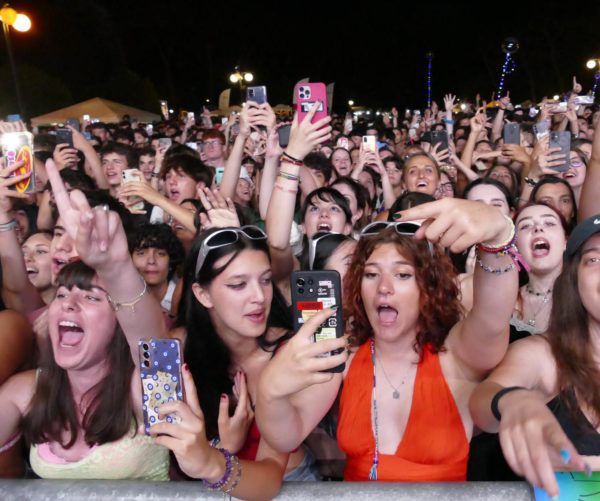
(306,95)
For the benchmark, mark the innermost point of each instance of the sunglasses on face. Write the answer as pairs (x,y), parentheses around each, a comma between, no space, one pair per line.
(312,246)
(406,228)
(224,237)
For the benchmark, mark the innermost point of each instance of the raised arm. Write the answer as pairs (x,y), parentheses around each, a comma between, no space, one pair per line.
(102,244)
(280,214)
(92,158)
(498,123)
(589,203)
(269,172)
(480,340)
(477,124)
(17,291)
(293,394)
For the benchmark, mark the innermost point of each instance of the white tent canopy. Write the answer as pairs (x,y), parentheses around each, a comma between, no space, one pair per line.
(98,109)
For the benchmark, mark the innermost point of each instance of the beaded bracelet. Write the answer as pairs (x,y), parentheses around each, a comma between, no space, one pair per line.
(488,269)
(287,175)
(499,247)
(215,486)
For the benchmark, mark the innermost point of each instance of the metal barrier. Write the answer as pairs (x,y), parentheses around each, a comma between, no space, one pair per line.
(65,490)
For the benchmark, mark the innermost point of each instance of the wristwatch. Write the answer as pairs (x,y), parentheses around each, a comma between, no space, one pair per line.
(531,182)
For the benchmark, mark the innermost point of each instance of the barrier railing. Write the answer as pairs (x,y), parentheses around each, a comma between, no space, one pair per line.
(126,489)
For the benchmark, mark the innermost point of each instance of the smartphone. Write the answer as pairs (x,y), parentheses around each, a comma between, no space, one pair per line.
(313,291)
(86,118)
(512,133)
(132,175)
(87,135)
(193,146)
(343,142)
(164,142)
(219,175)
(439,137)
(191,116)
(369,143)
(74,122)
(584,100)
(284,135)
(13,118)
(561,139)
(64,136)
(224,121)
(160,371)
(307,94)
(258,94)
(557,107)
(150,129)
(17,147)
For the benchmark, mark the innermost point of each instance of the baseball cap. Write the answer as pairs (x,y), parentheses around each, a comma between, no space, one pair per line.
(581,233)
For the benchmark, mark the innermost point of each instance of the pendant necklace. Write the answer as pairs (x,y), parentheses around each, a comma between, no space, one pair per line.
(396,393)
(545,300)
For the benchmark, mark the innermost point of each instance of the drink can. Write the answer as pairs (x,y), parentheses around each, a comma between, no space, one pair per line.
(17,147)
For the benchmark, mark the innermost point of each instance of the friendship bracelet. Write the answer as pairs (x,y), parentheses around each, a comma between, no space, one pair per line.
(287,175)
(130,304)
(498,396)
(11,225)
(501,246)
(289,190)
(488,269)
(215,486)
(295,160)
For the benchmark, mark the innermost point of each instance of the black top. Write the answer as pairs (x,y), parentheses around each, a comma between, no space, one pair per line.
(579,430)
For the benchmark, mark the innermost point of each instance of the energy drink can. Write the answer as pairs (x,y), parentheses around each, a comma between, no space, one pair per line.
(17,147)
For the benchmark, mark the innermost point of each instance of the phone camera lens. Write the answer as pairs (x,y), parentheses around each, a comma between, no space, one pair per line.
(300,290)
(310,281)
(146,363)
(311,290)
(300,281)
(145,346)
(146,354)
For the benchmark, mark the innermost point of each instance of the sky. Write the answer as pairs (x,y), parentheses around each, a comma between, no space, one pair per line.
(375,52)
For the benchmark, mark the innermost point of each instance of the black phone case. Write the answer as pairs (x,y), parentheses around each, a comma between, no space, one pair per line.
(512,134)
(562,140)
(284,135)
(313,291)
(439,137)
(64,136)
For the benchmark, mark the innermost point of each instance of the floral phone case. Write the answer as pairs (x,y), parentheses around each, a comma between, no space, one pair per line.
(160,371)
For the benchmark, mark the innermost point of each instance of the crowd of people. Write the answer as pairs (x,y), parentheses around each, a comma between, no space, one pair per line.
(470,272)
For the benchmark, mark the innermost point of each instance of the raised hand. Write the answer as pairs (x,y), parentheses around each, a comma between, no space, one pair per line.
(478,121)
(64,156)
(273,150)
(457,224)
(577,88)
(441,155)
(297,365)
(6,181)
(187,438)
(220,211)
(305,136)
(18,126)
(504,101)
(233,430)
(449,102)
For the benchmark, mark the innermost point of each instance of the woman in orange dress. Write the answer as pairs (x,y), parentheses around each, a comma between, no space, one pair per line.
(403,410)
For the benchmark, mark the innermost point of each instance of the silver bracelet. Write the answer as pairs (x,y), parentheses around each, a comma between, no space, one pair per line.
(130,304)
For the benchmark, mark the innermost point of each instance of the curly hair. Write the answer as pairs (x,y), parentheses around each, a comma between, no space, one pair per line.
(439,301)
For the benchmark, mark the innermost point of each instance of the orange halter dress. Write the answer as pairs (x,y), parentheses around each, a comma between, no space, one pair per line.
(434,447)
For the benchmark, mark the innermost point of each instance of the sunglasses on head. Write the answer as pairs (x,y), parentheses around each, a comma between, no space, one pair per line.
(312,245)
(224,237)
(407,228)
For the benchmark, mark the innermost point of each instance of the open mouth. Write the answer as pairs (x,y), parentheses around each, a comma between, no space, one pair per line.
(257,316)
(173,194)
(386,314)
(32,272)
(57,264)
(540,247)
(70,334)
(324,227)
(422,184)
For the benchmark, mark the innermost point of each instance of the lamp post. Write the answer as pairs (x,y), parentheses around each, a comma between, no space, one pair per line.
(241,78)
(20,22)
(594,64)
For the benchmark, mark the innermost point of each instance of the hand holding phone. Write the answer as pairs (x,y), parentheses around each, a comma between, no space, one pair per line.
(64,136)
(312,292)
(307,96)
(307,134)
(127,176)
(160,372)
(369,143)
(512,133)
(562,140)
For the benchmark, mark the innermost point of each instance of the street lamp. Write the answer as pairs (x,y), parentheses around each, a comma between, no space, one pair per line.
(591,64)
(241,78)
(20,22)
(350,103)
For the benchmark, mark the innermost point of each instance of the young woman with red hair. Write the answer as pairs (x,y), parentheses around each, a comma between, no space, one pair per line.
(403,409)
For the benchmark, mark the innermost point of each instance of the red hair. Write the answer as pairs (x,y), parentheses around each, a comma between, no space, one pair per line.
(439,303)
